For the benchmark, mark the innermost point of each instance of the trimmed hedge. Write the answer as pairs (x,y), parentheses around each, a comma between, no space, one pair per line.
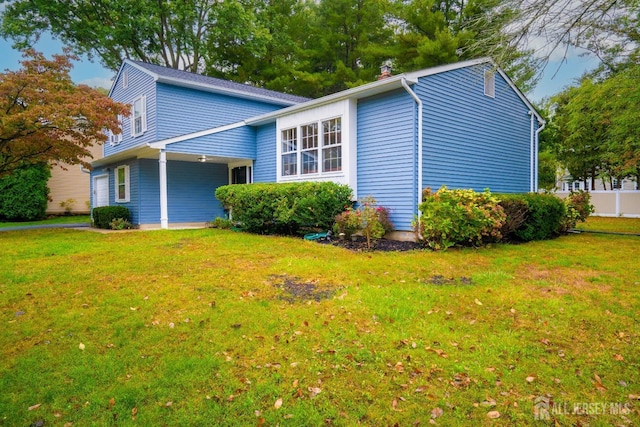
(24,194)
(546,215)
(268,208)
(103,215)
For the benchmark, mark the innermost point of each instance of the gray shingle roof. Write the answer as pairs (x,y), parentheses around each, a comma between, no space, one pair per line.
(220,84)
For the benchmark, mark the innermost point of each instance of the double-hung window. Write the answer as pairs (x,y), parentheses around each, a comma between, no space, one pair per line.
(116,138)
(290,152)
(318,151)
(139,116)
(122,184)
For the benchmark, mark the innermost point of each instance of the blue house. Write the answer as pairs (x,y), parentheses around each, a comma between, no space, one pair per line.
(463,125)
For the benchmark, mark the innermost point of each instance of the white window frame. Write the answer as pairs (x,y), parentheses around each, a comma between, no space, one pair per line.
(126,184)
(320,148)
(116,138)
(249,166)
(143,116)
(490,83)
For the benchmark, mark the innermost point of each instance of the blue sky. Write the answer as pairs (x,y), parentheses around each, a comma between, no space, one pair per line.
(559,73)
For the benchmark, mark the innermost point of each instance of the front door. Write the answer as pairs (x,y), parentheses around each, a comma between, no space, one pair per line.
(101,191)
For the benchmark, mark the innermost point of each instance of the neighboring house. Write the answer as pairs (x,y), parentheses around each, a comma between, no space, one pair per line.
(69,187)
(567,183)
(464,125)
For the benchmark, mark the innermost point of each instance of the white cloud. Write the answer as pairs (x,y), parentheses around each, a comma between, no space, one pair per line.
(97,82)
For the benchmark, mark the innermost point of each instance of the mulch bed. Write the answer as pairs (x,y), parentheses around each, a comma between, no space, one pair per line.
(382,245)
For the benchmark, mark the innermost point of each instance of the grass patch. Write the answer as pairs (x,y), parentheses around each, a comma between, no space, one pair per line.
(63,219)
(194,327)
(617,225)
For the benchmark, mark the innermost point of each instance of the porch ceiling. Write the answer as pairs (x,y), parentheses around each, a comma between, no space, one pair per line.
(145,152)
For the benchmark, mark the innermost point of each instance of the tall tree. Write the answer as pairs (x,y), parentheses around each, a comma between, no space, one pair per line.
(45,117)
(175,34)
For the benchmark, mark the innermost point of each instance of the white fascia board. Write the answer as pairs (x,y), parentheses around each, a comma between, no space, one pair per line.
(366,90)
(163,143)
(136,152)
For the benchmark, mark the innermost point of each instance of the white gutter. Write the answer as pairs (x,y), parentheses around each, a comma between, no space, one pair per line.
(419,102)
(537,148)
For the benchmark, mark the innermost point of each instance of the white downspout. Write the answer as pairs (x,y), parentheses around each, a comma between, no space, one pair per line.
(537,147)
(164,210)
(419,102)
(532,161)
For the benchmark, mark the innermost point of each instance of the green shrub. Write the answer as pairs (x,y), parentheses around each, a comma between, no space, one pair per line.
(466,217)
(372,220)
(104,215)
(269,208)
(516,209)
(221,223)
(120,224)
(545,217)
(24,194)
(579,207)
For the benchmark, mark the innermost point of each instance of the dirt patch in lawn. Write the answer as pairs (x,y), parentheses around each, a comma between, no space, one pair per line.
(293,289)
(381,245)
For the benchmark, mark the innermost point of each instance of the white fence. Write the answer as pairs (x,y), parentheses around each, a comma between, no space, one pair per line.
(622,203)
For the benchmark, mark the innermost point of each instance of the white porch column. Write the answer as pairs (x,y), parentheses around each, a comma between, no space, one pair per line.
(164,210)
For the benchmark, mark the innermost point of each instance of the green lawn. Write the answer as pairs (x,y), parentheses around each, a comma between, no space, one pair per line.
(617,225)
(212,327)
(65,219)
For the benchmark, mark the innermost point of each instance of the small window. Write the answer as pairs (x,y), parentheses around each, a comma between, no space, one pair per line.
(122,184)
(332,145)
(139,117)
(490,83)
(125,80)
(290,152)
(617,184)
(309,148)
(116,138)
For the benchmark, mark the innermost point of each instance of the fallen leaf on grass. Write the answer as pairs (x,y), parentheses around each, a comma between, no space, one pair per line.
(288,416)
(530,378)
(314,391)
(618,357)
(436,412)
(112,402)
(477,301)
(81,346)
(634,396)
(168,404)
(278,403)
(598,383)
(36,406)
(493,414)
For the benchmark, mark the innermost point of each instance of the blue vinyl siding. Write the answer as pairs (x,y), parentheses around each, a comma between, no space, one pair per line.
(190,189)
(237,143)
(387,154)
(264,168)
(140,83)
(472,140)
(182,110)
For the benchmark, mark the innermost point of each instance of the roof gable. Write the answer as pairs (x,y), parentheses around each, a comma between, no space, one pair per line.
(175,77)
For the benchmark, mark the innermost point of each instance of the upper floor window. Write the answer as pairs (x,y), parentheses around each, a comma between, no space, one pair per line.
(490,83)
(617,184)
(116,138)
(122,184)
(125,79)
(320,143)
(139,116)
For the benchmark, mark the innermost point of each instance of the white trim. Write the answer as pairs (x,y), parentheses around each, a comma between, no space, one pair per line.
(164,199)
(127,184)
(163,143)
(490,83)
